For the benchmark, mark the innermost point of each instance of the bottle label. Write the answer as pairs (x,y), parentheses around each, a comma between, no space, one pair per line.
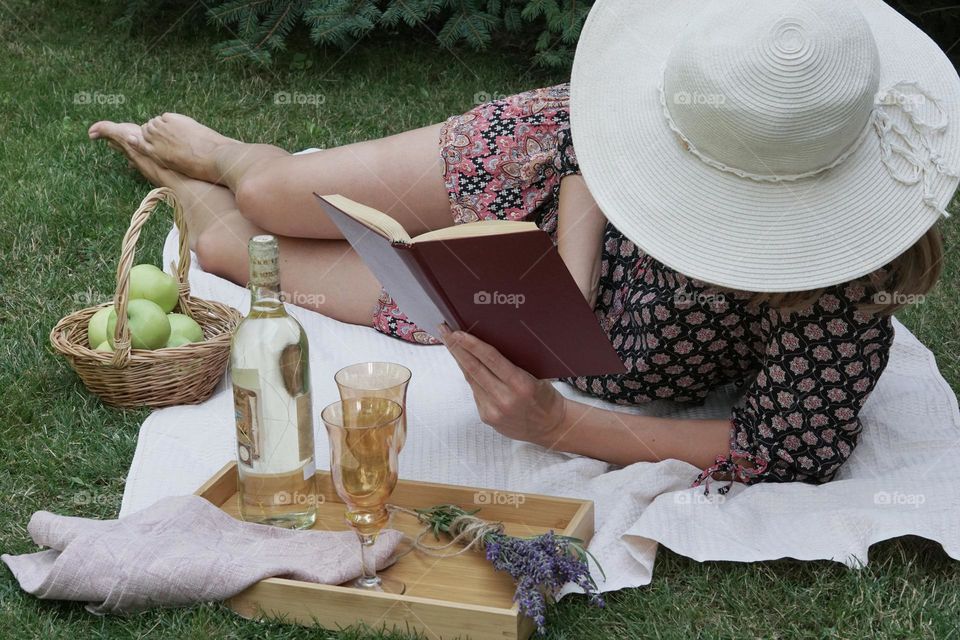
(246,410)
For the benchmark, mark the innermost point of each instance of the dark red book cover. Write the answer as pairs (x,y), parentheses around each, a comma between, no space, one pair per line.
(511,290)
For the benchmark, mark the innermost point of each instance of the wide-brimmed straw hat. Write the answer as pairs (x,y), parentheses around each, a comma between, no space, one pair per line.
(765,145)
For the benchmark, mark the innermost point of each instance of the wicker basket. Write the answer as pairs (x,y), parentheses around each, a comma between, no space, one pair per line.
(141,378)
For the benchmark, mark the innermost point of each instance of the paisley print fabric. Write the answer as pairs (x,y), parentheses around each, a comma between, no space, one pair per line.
(805,375)
(502,160)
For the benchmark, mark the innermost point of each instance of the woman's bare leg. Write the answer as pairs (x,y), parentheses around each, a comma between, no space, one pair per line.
(322,275)
(401,175)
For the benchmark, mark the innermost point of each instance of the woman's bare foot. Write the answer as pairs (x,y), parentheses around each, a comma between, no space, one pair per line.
(181,143)
(203,203)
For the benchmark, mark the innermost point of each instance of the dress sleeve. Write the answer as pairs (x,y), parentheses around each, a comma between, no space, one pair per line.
(566,159)
(798,420)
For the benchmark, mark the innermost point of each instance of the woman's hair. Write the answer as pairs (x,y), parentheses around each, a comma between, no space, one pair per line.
(903,281)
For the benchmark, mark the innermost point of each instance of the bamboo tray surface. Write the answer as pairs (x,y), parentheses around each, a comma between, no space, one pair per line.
(456,597)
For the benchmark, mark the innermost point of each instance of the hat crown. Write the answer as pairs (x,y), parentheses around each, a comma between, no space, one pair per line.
(773,88)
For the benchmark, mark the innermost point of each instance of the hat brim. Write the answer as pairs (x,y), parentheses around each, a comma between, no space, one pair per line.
(718,227)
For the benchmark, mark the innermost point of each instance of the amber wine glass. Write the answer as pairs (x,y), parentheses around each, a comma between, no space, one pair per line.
(379,380)
(365,440)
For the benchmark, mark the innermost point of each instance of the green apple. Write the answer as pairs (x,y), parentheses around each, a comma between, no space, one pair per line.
(104,346)
(150,283)
(97,326)
(177,340)
(149,327)
(185,326)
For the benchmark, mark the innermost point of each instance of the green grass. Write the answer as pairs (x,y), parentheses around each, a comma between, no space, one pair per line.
(65,203)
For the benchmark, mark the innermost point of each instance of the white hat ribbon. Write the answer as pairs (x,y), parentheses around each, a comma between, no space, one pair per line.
(914,144)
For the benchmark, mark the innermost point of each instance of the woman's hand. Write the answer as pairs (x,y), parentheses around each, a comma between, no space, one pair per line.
(521,407)
(508,398)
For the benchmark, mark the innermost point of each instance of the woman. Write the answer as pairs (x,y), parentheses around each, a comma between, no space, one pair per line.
(771,170)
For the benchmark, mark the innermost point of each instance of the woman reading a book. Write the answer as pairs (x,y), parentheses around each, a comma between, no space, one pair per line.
(744,197)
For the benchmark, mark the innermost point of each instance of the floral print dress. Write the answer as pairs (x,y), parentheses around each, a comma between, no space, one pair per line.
(805,375)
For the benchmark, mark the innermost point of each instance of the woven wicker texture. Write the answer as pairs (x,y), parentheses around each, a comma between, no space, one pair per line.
(162,377)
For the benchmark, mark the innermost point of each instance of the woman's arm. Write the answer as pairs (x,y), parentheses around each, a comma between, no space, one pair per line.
(623,438)
(580,225)
(524,408)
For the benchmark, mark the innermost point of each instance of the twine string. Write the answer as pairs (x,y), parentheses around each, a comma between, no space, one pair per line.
(465,529)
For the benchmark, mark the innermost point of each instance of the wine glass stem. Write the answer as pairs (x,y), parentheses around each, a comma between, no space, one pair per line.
(369,578)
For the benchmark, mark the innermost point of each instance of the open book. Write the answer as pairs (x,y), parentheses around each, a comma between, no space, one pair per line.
(502,281)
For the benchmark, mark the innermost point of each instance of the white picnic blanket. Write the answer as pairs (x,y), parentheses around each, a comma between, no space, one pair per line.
(900,480)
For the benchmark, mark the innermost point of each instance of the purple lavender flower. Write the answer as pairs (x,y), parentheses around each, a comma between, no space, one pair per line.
(540,565)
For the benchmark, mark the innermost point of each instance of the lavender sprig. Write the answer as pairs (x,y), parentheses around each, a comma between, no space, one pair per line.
(540,565)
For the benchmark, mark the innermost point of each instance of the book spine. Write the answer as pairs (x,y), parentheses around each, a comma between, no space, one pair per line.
(453,319)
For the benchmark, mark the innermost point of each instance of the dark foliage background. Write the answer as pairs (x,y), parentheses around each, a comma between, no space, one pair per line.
(940,20)
(257,30)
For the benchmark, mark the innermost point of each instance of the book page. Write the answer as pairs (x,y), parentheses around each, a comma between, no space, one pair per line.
(477,229)
(370,218)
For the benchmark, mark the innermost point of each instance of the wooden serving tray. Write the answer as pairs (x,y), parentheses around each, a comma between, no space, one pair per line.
(457,597)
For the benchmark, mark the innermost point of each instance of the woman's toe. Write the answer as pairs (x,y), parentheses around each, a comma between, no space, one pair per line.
(101,129)
(143,143)
(115,133)
(149,130)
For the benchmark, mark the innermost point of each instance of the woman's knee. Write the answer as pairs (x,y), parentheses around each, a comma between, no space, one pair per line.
(222,252)
(206,249)
(256,195)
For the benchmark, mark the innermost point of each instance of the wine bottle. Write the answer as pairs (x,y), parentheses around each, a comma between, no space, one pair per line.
(269,369)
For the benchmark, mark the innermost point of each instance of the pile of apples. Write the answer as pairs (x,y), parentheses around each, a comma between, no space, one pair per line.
(153,295)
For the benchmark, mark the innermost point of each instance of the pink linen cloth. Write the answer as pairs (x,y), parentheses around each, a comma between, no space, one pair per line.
(181,551)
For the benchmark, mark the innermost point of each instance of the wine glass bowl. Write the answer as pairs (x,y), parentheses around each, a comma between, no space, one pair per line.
(376,379)
(365,436)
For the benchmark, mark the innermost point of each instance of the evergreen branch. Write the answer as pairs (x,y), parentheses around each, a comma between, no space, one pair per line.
(260,28)
(276,25)
(235,11)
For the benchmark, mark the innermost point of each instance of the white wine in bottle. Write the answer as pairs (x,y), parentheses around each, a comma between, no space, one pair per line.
(271,393)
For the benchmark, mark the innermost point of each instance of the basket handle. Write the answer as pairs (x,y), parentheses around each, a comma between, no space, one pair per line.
(121,334)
